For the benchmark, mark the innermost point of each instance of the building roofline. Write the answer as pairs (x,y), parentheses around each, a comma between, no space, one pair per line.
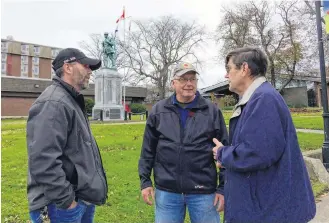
(211,87)
(27,78)
(16,41)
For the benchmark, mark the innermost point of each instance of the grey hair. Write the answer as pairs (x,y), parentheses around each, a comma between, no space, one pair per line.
(59,72)
(254,57)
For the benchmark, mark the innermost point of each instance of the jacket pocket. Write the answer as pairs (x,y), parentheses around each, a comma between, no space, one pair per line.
(92,189)
(71,215)
(253,187)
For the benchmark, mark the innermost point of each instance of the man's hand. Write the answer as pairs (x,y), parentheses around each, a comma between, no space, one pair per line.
(218,146)
(73,205)
(219,198)
(147,193)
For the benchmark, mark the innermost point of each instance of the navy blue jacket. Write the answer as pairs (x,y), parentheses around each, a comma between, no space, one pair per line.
(181,158)
(266,180)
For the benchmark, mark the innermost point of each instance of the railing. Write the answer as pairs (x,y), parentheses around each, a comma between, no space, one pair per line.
(136,116)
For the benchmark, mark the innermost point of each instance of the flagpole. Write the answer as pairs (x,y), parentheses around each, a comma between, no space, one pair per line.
(124,67)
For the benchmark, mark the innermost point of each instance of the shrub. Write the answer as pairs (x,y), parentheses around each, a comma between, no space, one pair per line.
(228,108)
(229,100)
(89,103)
(137,108)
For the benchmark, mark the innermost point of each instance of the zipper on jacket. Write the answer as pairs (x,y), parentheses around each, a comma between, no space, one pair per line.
(183,128)
(179,153)
(192,121)
(99,162)
(182,135)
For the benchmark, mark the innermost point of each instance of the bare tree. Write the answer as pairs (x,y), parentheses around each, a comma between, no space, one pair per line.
(269,37)
(311,57)
(274,27)
(291,55)
(93,48)
(156,45)
(234,29)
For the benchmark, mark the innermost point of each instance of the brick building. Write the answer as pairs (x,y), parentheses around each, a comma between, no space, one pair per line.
(20,59)
(26,71)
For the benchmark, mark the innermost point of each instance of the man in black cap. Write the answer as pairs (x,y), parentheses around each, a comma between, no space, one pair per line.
(66,178)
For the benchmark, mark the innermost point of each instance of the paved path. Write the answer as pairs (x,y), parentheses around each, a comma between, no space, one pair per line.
(311,131)
(119,123)
(322,211)
(143,122)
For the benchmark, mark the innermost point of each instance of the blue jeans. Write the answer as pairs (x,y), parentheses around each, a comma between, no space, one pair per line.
(171,207)
(82,213)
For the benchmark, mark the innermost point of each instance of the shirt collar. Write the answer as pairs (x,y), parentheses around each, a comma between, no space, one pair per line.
(247,95)
(67,86)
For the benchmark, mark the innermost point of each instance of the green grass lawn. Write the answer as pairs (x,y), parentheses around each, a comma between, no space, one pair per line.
(308,122)
(310,141)
(319,188)
(120,149)
(301,120)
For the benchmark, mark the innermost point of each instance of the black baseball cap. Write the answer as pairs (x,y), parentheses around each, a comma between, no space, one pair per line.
(70,55)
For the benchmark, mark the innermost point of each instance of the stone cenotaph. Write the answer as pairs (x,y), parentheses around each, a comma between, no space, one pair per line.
(108,85)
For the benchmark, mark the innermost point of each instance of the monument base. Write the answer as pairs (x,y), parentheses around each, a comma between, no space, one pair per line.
(108,113)
(108,95)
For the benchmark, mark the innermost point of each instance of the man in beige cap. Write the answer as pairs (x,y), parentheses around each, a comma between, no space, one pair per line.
(177,145)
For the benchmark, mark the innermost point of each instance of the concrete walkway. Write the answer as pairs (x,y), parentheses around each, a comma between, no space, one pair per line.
(119,123)
(311,131)
(322,210)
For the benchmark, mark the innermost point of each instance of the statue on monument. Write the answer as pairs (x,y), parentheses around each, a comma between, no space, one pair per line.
(109,51)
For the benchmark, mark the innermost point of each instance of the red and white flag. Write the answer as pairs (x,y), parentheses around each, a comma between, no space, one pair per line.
(122,16)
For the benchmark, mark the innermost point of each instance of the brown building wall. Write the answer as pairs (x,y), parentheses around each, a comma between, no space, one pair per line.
(44,68)
(16,65)
(12,106)
(29,74)
(13,65)
(296,96)
(318,93)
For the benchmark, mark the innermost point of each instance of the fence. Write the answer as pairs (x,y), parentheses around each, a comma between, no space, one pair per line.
(136,116)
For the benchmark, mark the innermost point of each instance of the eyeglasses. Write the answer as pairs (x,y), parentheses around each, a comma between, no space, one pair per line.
(185,80)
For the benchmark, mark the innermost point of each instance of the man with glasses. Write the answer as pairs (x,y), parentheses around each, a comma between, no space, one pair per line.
(266,180)
(177,145)
(66,178)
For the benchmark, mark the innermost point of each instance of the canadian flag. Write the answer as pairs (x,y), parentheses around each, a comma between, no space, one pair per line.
(122,16)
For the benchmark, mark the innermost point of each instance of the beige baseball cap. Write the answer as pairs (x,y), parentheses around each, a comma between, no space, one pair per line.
(183,68)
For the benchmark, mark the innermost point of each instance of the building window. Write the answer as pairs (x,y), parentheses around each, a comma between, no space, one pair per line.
(54,52)
(3,68)
(36,50)
(53,74)
(24,49)
(35,61)
(35,71)
(24,60)
(4,47)
(24,70)
(3,57)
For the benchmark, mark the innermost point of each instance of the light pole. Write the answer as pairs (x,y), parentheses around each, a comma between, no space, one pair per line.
(325,147)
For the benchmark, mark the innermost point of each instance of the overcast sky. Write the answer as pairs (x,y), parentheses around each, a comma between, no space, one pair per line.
(64,23)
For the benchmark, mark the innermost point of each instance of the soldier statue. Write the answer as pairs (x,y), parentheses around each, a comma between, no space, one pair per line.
(109,51)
